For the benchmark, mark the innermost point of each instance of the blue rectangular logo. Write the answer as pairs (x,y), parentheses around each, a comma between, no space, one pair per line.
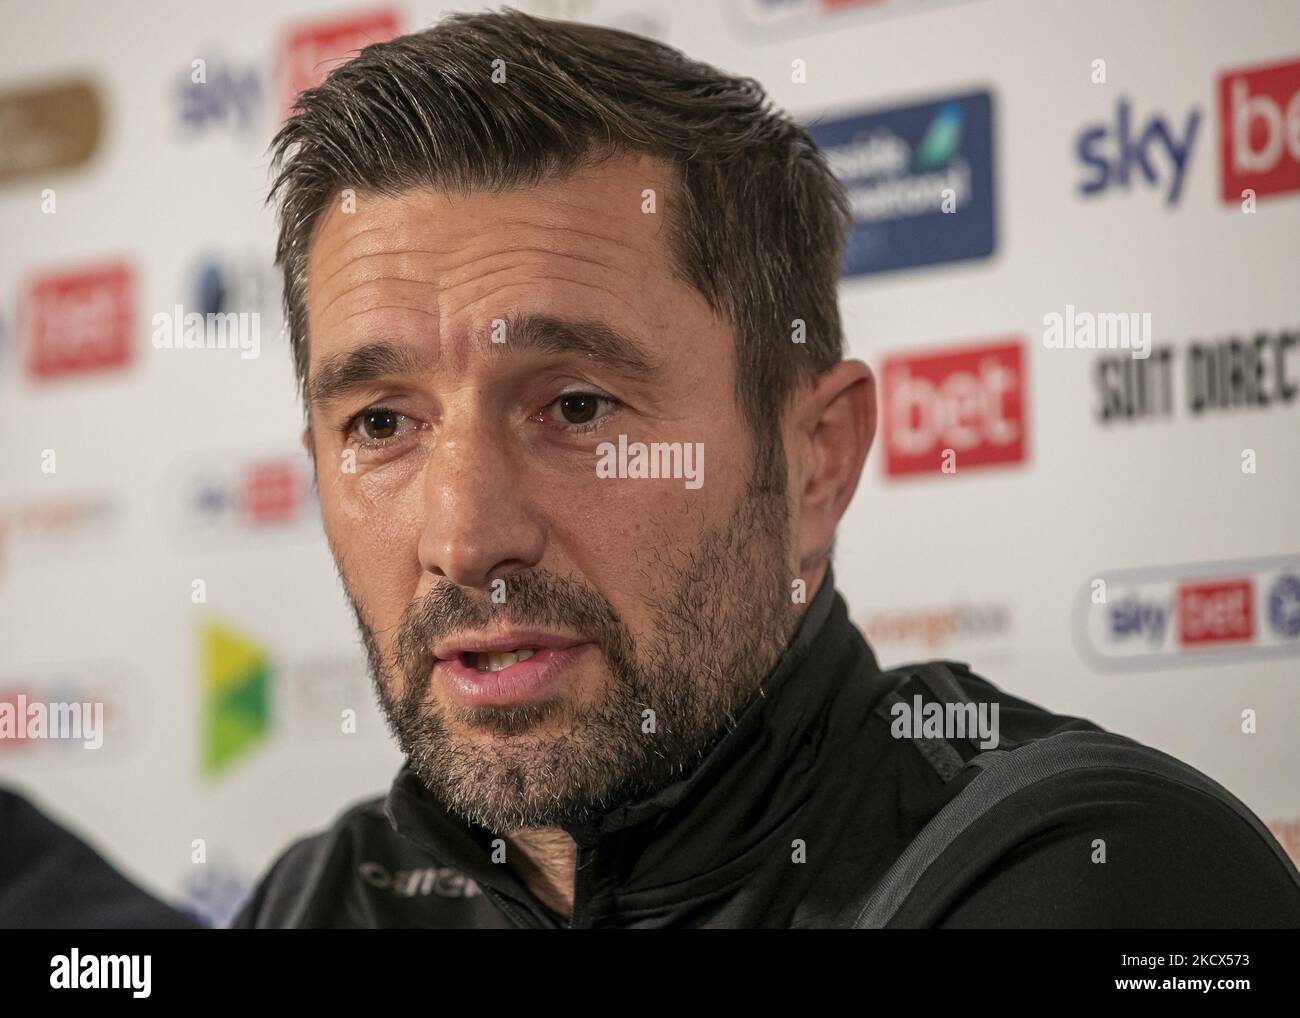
(920,182)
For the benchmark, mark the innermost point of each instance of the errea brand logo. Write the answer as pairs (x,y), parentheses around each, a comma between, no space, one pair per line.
(419,882)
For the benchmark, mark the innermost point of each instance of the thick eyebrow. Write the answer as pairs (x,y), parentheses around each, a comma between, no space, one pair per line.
(346,372)
(595,340)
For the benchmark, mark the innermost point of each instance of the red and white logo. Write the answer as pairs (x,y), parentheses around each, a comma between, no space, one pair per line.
(970,401)
(1218,612)
(79,322)
(312,51)
(1259,130)
(272,492)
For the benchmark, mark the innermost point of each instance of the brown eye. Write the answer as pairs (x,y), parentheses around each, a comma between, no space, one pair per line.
(377,425)
(579,408)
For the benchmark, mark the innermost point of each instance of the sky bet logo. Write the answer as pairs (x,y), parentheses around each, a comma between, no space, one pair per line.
(216,93)
(222,497)
(1154,618)
(1259,129)
(947,410)
(1124,152)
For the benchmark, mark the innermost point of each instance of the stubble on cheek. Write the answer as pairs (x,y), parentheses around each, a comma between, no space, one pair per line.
(717,616)
(377,564)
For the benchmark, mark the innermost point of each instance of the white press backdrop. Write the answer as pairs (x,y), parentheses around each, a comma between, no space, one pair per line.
(175,466)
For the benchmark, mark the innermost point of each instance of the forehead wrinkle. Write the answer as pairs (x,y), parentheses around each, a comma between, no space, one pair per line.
(589,234)
(513,222)
(381,249)
(527,249)
(342,251)
(389,307)
(483,277)
(437,316)
(348,260)
(387,252)
(455,312)
(369,282)
(357,261)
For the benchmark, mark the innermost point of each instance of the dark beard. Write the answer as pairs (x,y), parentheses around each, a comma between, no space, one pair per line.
(724,615)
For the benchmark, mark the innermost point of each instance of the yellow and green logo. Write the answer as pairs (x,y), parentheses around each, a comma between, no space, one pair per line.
(236,675)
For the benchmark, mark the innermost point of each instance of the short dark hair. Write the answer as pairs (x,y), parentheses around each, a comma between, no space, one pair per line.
(756,220)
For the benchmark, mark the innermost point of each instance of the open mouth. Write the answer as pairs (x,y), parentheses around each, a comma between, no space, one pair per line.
(496,661)
(504,676)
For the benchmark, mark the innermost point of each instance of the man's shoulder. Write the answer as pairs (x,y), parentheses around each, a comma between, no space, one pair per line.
(1037,754)
(358,872)
(1112,833)
(936,724)
(1061,822)
(284,895)
(51,878)
(944,681)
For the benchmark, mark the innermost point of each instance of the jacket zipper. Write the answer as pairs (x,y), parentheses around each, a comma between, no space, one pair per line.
(578,917)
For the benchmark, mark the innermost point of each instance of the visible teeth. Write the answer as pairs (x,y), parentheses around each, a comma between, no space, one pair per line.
(500,660)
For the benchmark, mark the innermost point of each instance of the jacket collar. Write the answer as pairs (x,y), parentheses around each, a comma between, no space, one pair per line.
(694,832)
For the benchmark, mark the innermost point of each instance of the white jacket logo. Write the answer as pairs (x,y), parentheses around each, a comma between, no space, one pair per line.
(446,883)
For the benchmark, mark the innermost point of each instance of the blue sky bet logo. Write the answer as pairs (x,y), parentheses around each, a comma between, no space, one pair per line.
(1119,155)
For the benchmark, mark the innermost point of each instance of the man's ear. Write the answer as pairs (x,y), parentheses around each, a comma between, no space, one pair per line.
(837,423)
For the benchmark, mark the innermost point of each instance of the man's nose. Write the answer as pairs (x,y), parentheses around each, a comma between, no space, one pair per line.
(481,524)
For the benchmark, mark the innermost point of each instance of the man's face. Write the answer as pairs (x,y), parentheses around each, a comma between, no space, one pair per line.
(469,354)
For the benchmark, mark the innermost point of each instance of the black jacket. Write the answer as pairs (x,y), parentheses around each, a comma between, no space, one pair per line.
(51,879)
(793,817)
